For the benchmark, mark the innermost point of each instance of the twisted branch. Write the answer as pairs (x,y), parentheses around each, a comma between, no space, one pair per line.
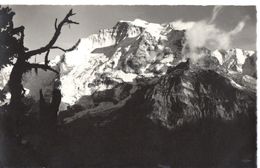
(62,49)
(41,66)
(58,28)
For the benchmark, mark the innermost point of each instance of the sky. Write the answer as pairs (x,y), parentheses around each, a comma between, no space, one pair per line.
(39,21)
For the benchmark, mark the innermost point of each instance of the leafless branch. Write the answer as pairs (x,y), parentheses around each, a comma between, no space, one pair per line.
(62,49)
(54,38)
(42,66)
(72,22)
(55,25)
(46,58)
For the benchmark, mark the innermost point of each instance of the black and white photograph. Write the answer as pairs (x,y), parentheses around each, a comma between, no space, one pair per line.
(128,86)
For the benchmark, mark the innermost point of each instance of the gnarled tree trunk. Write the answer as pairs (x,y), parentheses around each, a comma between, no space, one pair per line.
(16,107)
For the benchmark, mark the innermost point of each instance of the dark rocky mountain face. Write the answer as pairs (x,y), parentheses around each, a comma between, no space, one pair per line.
(249,67)
(183,96)
(188,117)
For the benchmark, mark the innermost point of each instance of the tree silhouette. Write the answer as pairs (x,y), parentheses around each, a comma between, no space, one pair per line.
(13,51)
(9,44)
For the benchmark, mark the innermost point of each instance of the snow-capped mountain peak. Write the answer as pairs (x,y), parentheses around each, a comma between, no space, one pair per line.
(125,53)
(136,22)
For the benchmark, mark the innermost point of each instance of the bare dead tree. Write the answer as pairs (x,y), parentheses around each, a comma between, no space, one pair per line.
(22,65)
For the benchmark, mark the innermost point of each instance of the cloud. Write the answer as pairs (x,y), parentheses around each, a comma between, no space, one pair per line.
(202,34)
(180,25)
(239,26)
(206,34)
(215,12)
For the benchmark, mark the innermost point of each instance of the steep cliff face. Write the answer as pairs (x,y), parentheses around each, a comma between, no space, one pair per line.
(249,67)
(183,96)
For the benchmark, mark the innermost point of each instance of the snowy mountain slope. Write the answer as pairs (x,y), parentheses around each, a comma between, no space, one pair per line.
(129,51)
